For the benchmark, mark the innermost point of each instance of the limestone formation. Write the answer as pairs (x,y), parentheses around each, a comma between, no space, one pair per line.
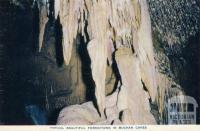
(128,65)
(68,12)
(43,19)
(87,114)
(144,49)
(106,45)
(97,52)
(119,28)
(126,117)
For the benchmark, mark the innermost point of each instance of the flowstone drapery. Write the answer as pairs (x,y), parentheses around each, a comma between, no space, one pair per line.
(117,31)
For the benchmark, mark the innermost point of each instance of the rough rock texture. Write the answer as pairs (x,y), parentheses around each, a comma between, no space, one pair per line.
(175,21)
(175,26)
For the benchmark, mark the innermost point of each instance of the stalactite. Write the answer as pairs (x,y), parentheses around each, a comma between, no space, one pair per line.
(108,26)
(56,8)
(69,13)
(43,19)
(145,51)
(97,48)
(97,53)
(164,92)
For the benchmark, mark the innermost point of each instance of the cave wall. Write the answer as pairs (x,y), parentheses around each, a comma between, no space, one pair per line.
(175,26)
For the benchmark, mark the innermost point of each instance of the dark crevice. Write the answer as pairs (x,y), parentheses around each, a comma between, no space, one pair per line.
(58,44)
(86,71)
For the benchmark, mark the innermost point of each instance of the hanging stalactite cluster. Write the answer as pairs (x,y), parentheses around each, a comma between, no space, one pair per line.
(114,30)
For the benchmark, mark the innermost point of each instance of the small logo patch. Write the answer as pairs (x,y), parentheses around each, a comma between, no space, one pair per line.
(182,110)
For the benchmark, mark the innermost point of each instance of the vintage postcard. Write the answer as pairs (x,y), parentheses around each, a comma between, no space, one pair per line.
(100,64)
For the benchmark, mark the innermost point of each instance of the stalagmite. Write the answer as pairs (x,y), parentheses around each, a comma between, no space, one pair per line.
(128,65)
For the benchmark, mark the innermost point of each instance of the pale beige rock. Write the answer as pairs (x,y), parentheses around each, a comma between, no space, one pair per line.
(97,47)
(112,113)
(75,121)
(86,113)
(117,122)
(42,23)
(106,122)
(96,53)
(56,8)
(110,80)
(144,49)
(69,14)
(122,99)
(111,100)
(126,117)
(138,104)
(123,27)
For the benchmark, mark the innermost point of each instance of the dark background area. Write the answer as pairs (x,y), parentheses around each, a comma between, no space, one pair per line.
(38,83)
(27,76)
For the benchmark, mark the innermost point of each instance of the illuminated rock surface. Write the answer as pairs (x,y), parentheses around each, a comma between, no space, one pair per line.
(126,26)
